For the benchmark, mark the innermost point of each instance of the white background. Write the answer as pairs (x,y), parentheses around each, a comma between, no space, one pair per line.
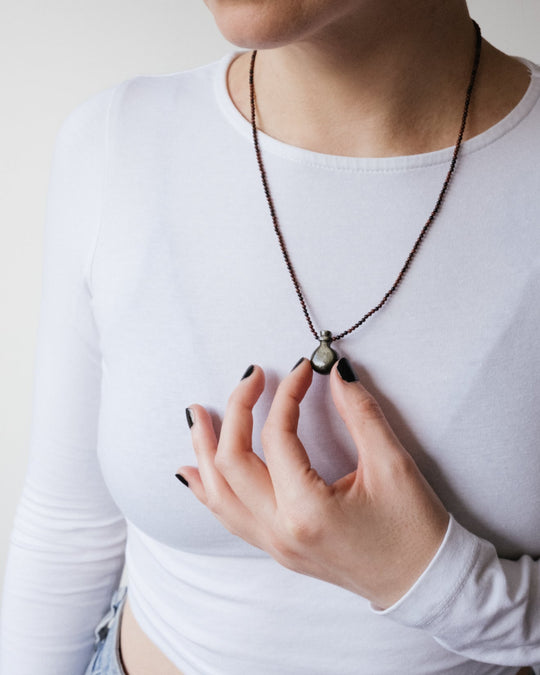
(53,56)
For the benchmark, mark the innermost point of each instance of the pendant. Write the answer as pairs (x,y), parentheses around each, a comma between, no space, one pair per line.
(324,357)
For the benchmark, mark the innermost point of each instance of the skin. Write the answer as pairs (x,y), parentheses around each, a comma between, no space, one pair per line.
(393,73)
(372,531)
(365,78)
(368,78)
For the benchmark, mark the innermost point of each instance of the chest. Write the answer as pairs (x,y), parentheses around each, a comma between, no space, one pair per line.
(189,291)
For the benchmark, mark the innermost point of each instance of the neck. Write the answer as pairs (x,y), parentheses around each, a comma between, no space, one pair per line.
(382,83)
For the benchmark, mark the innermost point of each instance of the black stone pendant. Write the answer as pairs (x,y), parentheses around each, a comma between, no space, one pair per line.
(324,357)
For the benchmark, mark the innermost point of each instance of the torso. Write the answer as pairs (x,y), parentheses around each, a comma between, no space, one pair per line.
(139,654)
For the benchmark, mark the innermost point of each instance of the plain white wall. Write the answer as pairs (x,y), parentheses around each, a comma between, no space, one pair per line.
(54,55)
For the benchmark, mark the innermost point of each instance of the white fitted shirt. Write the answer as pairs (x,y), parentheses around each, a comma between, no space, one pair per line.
(163,280)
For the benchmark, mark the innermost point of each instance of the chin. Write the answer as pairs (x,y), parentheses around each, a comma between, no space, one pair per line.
(264,24)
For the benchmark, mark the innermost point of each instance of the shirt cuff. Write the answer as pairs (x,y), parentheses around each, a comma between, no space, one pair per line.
(440,583)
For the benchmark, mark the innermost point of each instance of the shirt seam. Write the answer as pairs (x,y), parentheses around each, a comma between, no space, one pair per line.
(89,273)
(462,154)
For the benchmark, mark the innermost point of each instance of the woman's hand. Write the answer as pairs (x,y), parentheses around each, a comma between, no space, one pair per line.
(373,531)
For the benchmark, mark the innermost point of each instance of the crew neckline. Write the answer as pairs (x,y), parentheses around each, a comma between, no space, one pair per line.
(380,164)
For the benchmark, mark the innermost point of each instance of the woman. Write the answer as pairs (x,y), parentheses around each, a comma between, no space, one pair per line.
(400,534)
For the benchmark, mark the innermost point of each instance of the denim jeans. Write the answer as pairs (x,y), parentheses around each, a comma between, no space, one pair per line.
(106,657)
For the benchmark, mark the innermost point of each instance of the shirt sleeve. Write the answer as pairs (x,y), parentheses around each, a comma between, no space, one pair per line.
(67,545)
(475,603)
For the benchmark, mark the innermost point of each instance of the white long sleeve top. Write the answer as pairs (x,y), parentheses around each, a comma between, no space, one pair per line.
(163,280)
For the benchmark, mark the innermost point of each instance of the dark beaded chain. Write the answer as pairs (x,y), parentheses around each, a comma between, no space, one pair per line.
(424,229)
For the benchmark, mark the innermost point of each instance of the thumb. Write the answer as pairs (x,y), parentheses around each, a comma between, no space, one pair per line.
(363,416)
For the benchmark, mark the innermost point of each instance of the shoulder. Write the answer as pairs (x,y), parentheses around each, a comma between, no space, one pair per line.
(136,99)
(148,99)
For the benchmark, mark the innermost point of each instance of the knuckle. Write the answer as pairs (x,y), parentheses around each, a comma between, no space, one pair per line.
(370,408)
(300,530)
(282,549)
(399,467)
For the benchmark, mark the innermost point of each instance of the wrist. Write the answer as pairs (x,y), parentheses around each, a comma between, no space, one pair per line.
(410,567)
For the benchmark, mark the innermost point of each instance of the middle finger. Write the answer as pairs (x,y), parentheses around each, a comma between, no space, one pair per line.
(245,472)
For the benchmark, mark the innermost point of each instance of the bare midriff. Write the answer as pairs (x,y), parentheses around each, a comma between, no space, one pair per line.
(139,654)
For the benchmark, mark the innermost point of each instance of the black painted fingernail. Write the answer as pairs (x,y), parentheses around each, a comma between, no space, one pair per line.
(182,479)
(248,372)
(346,371)
(297,363)
(189,417)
